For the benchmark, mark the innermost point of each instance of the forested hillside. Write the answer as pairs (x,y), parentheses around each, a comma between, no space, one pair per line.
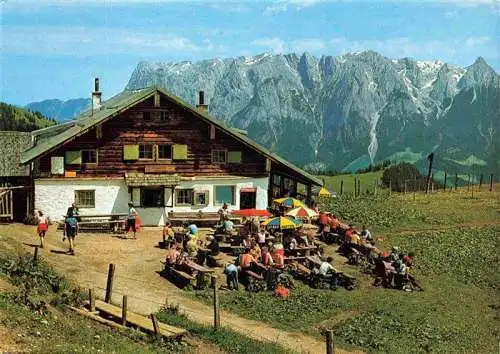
(15,118)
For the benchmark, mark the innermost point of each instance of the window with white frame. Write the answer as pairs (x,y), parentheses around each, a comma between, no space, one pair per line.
(146,151)
(183,196)
(85,198)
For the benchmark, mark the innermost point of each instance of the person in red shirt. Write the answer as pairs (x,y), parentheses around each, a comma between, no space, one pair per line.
(323,220)
(334,223)
(267,259)
(246,260)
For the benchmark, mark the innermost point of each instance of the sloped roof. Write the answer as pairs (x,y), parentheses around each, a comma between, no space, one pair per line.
(47,140)
(12,144)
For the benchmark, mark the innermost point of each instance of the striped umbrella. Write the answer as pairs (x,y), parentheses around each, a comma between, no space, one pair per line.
(289,202)
(302,212)
(282,223)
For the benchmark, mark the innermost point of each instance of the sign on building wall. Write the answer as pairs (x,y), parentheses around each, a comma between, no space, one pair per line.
(57,165)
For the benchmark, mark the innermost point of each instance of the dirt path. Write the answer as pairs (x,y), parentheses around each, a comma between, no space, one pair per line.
(137,263)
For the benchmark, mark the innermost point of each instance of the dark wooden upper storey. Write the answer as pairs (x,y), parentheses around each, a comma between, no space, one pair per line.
(156,124)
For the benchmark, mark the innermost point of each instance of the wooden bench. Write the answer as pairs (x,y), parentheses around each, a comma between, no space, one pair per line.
(199,218)
(100,222)
(140,321)
(314,260)
(253,274)
(293,258)
(302,269)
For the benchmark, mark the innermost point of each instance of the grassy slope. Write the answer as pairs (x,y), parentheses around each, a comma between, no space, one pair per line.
(15,118)
(368,181)
(457,267)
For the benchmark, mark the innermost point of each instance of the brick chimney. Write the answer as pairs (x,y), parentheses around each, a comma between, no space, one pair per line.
(96,96)
(201,102)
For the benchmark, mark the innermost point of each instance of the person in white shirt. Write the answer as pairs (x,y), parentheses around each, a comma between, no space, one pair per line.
(326,268)
(366,234)
(261,236)
(131,217)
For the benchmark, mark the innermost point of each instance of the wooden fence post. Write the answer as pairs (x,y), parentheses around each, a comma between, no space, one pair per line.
(109,283)
(405,187)
(341,186)
(491,182)
(330,347)
(445,175)
(390,186)
(91,300)
(156,327)
(124,310)
(355,186)
(456,181)
(35,255)
(468,181)
(216,304)
(480,181)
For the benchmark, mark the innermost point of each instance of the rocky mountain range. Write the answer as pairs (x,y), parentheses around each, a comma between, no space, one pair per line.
(349,111)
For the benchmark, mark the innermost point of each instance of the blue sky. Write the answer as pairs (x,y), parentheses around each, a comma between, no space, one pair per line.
(54,48)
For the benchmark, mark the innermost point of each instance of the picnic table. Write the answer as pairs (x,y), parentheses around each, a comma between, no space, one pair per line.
(114,222)
(200,272)
(315,260)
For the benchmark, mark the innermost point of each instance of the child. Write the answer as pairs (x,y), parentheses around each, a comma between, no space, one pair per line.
(168,234)
(43,226)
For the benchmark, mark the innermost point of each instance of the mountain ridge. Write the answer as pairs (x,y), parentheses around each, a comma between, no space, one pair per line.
(348,111)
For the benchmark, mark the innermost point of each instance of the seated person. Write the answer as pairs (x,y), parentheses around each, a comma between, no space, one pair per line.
(267,258)
(246,260)
(173,254)
(261,236)
(247,242)
(255,251)
(213,246)
(408,259)
(334,223)
(231,272)
(223,212)
(227,226)
(326,269)
(366,234)
(278,258)
(192,246)
(293,244)
(168,233)
(192,229)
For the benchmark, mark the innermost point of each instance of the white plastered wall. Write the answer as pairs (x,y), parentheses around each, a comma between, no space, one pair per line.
(53,197)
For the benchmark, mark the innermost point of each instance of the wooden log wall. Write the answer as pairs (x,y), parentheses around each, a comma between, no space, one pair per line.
(179,127)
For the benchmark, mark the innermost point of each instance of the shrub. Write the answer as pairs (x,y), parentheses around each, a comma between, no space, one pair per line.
(396,176)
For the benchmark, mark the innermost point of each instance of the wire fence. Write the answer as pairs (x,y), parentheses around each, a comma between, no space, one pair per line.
(443,182)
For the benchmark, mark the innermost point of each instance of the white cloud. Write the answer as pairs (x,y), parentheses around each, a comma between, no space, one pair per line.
(477,41)
(308,45)
(276,45)
(88,41)
(229,6)
(284,5)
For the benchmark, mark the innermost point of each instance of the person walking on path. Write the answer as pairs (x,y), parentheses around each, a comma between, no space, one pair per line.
(131,219)
(43,226)
(71,230)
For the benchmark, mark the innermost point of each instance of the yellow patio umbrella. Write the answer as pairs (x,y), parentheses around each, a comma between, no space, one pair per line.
(323,192)
(282,223)
(289,202)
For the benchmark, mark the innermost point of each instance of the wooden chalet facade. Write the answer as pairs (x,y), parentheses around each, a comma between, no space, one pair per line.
(151,148)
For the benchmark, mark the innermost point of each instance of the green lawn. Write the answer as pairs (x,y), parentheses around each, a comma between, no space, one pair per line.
(368,181)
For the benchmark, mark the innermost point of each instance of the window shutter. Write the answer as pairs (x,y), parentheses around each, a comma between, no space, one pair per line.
(73,157)
(179,152)
(234,157)
(136,196)
(130,152)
